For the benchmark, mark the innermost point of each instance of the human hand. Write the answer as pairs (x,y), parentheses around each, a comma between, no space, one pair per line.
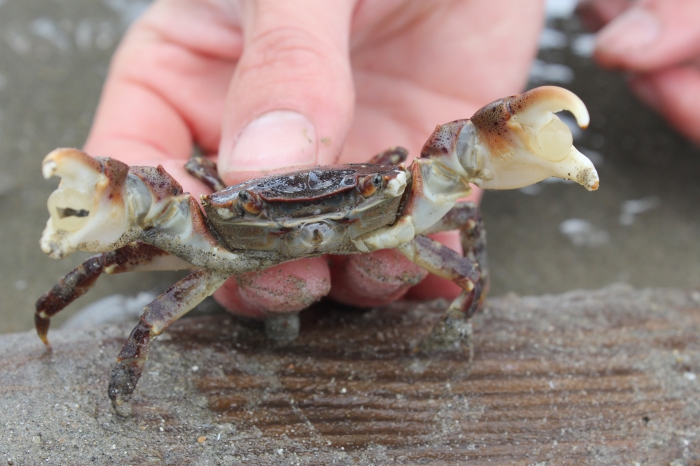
(268,85)
(658,43)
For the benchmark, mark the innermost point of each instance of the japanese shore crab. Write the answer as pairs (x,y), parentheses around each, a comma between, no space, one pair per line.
(138,218)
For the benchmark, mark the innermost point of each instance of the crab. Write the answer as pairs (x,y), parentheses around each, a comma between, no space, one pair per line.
(139,218)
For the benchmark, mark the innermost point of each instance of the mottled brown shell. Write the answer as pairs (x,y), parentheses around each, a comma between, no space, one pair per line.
(306,211)
(444,139)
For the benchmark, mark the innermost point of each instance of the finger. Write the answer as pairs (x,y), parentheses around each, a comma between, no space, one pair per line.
(595,14)
(291,100)
(373,279)
(675,93)
(289,287)
(434,287)
(384,276)
(289,105)
(165,88)
(650,35)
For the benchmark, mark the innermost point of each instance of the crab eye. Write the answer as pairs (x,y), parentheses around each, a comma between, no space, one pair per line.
(250,202)
(368,185)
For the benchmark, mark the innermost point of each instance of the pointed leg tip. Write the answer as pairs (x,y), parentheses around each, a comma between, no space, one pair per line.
(120,401)
(43,336)
(430,349)
(41,324)
(122,408)
(449,336)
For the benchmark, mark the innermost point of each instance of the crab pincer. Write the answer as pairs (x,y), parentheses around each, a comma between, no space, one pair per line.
(139,218)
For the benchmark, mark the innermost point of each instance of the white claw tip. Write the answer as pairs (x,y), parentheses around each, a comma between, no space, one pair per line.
(591,182)
(48,169)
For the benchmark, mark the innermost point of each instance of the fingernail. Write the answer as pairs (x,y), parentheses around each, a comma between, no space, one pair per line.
(633,30)
(275,140)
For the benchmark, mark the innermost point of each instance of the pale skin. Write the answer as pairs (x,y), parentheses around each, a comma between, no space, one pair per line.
(657,43)
(350,78)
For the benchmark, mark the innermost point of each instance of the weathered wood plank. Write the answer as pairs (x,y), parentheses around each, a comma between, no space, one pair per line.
(608,377)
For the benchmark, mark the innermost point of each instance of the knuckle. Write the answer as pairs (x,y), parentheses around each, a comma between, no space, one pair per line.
(286,48)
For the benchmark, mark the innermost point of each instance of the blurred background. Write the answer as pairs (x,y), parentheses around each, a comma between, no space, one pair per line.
(641,227)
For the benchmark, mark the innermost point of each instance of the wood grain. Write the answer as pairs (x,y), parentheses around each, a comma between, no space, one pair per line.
(608,377)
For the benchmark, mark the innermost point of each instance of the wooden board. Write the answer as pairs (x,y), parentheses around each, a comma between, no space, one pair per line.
(607,377)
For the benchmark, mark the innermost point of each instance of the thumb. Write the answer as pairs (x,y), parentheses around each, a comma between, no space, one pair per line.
(650,35)
(291,100)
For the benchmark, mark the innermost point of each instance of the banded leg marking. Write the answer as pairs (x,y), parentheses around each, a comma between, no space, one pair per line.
(392,156)
(79,280)
(466,217)
(205,171)
(175,302)
(453,331)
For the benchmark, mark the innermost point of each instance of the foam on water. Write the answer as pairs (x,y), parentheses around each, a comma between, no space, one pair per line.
(560,9)
(583,45)
(110,310)
(541,72)
(582,233)
(48,30)
(635,207)
(551,38)
(128,10)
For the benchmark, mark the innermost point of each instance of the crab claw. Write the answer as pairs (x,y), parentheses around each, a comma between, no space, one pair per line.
(87,209)
(521,141)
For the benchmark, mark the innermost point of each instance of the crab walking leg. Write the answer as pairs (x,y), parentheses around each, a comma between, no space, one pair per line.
(466,217)
(133,256)
(159,314)
(454,329)
(392,156)
(204,170)
(463,213)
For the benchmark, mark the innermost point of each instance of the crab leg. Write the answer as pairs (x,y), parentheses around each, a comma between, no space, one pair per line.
(454,329)
(392,156)
(159,314)
(466,217)
(204,170)
(133,256)
(463,213)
